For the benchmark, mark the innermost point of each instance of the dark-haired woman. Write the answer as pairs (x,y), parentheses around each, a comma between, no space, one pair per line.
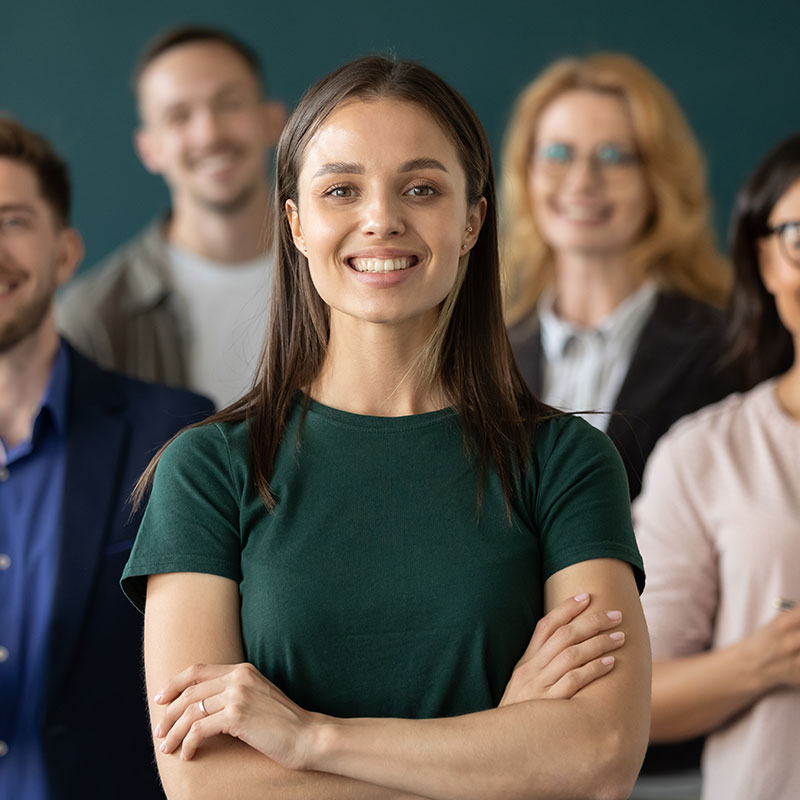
(718,523)
(378,527)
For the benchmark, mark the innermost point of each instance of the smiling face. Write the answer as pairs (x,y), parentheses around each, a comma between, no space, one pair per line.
(205,126)
(587,187)
(781,276)
(382,213)
(36,254)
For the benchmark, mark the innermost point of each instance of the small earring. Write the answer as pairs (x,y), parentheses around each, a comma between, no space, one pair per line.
(463,246)
(469,229)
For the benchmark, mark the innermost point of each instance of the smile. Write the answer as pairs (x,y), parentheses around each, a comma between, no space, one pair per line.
(382,264)
(582,213)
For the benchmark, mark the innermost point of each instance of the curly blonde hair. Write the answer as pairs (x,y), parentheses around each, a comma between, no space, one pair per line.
(677,247)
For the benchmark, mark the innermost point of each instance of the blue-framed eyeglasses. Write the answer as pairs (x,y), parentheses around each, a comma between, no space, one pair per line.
(611,161)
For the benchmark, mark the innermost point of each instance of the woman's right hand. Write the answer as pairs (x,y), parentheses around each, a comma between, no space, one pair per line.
(568,650)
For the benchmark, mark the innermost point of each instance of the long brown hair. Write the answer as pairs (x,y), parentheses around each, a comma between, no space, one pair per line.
(677,247)
(470,349)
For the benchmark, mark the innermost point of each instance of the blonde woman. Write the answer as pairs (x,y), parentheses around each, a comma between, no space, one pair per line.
(612,272)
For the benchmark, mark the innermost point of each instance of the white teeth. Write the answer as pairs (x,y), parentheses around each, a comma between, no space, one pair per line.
(583,214)
(380,264)
(213,163)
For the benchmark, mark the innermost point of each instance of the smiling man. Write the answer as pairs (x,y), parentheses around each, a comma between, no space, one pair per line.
(185,301)
(73,440)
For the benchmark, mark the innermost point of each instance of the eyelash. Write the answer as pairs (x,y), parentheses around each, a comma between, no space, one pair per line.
(432,191)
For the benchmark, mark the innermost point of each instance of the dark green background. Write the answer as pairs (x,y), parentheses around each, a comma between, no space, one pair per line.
(734,66)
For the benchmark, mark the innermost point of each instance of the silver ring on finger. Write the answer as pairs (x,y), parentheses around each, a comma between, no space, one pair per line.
(203,708)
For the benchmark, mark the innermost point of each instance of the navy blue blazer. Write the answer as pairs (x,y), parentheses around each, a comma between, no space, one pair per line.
(96,734)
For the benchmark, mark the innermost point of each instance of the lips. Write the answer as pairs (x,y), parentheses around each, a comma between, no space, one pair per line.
(579,212)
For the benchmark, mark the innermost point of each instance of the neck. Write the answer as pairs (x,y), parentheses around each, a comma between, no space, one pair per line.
(224,237)
(24,373)
(369,369)
(589,288)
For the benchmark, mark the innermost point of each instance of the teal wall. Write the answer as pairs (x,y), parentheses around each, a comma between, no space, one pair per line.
(734,66)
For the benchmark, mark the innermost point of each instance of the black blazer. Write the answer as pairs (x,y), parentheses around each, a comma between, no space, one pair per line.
(95,733)
(675,369)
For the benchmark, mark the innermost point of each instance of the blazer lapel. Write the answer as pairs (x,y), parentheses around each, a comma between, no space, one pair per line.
(96,432)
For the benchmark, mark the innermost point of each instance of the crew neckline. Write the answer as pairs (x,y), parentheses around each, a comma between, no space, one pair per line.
(349,419)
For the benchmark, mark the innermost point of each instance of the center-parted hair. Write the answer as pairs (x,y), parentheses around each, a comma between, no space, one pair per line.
(676,247)
(468,359)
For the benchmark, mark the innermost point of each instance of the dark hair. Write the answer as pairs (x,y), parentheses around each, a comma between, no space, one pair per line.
(192,34)
(756,334)
(17,143)
(473,359)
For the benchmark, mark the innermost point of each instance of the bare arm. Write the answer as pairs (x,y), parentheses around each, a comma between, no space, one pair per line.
(192,617)
(698,693)
(588,746)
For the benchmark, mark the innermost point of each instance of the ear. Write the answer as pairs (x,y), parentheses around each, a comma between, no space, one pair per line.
(293,215)
(145,147)
(475,219)
(70,254)
(274,118)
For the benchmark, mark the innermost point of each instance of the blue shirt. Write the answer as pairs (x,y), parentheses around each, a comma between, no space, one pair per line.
(31,488)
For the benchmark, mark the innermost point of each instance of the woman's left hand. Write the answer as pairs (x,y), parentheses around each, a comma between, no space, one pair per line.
(237,700)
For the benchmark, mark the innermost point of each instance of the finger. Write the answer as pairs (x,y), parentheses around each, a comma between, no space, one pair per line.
(558,616)
(576,679)
(180,728)
(581,654)
(581,629)
(202,729)
(190,676)
(192,695)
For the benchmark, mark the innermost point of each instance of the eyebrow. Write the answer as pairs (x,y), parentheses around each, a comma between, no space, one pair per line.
(352,168)
(6,207)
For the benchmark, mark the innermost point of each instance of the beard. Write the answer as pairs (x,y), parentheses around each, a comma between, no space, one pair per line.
(229,206)
(24,321)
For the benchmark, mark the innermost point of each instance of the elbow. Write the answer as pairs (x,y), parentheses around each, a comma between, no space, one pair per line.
(619,761)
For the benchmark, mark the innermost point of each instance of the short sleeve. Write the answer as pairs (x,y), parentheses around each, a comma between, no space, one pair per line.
(582,500)
(191,523)
(682,583)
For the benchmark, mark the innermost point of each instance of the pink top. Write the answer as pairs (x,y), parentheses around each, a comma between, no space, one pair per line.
(718,525)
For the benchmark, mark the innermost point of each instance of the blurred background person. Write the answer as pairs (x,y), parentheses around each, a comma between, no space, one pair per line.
(612,271)
(73,440)
(718,523)
(185,301)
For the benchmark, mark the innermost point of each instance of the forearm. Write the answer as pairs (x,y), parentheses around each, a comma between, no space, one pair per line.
(696,694)
(230,768)
(535,749)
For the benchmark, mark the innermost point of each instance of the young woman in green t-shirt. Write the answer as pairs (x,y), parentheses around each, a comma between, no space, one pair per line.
(391,490)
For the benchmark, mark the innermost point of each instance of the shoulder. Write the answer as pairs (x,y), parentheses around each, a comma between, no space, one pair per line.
(223,443)
(569,434)
(110,279)
(721,423)
(680,314)
(96,386)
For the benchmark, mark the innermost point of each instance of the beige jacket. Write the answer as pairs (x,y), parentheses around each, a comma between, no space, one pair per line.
(124,315)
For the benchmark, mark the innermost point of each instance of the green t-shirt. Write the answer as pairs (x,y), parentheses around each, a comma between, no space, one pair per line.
(375,588)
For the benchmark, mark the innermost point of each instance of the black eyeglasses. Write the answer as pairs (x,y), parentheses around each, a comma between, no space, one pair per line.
(788,234)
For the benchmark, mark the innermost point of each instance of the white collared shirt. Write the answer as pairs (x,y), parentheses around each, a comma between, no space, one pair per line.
(585,367)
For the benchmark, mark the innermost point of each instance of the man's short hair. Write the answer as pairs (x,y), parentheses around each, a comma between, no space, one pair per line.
(191,34)
(24,146)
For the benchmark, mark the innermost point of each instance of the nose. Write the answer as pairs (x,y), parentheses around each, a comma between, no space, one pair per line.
(383,216)
(584,173)
(205,126)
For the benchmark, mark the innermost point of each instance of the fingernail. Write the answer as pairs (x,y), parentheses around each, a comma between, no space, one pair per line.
(617,636)
(615,616)
(157,732)
(157,698)
(163,747)
(579,598)
(608,660)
